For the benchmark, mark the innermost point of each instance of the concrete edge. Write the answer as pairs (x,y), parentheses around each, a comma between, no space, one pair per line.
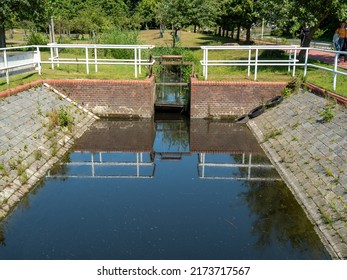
(311,212)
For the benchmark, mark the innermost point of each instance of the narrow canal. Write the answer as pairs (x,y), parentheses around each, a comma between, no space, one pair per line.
(161,189)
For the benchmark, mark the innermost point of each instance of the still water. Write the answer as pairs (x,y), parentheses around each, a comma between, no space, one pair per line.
(161,189)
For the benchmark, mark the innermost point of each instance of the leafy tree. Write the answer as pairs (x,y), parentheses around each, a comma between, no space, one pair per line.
(146,10)
(20,9)
(298,12)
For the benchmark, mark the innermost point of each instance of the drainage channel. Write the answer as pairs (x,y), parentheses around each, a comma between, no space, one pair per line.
(168,188)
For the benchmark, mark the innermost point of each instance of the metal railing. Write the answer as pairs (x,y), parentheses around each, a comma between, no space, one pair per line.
(254,61)
(55,59)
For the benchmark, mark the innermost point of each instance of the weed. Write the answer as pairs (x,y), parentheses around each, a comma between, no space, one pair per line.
(286,92)
(37,154)
(3,170)
(296,125)
(39,111)
(24,178)
(21,169)
(294,138)
(327,114)
(64,117)
(326,217)
(272,134)
(53,119)
(329,172)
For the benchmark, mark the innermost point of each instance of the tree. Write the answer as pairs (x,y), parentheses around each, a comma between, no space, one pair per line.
(146,10)
(299,12)
(22,10)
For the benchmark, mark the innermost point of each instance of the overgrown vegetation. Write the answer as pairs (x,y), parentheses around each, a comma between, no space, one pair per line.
(328,112)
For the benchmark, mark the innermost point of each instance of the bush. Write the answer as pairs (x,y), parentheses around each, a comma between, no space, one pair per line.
(37,38)
(119,37)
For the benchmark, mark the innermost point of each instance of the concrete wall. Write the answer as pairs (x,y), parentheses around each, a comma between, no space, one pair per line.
(211,99)
(109,97)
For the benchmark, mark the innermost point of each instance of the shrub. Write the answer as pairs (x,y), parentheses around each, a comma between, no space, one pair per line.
(119,37)
(37,38)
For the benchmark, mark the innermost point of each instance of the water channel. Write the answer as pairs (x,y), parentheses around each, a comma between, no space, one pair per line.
(161,189)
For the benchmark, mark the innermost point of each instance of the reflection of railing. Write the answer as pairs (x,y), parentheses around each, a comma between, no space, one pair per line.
(202,165)
(97,166)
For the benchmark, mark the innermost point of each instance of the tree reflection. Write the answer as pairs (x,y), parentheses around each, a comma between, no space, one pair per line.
(2,236)
(280,217)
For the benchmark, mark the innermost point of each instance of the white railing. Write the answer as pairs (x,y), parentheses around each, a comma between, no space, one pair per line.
(7,64)
(56,59)
(254,62)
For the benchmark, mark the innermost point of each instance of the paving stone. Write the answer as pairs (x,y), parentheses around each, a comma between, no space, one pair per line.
(321,147)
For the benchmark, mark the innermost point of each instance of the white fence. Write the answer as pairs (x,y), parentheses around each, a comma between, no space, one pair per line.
(10,58)
(7,63)
(254,61)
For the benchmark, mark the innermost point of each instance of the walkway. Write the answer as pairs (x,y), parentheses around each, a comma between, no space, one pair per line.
(311,156)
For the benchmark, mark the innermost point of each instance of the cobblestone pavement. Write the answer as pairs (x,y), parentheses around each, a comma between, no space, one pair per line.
(311,156)
(30,145)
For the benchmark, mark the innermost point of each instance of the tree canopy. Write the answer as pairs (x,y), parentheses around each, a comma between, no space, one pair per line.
(95,16)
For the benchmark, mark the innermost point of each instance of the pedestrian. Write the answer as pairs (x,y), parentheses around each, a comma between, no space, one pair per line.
(341,33)
(304,32)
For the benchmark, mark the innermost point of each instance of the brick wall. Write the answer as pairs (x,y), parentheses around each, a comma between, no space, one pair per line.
(210,99)
(110,97)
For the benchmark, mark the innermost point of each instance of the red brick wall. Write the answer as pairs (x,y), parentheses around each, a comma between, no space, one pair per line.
(217,99)
(110,97)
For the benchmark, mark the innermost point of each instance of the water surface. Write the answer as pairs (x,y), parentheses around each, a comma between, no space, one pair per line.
(163,189)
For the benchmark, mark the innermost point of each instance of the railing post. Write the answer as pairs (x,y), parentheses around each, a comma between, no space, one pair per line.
(38,60)
(205,63)
(335,69)
(96,59)
(256,64)
(6,65)
(294,66)
(87,61)
(52,56)
(306,61)
(135,61)
(290,59)
(140,61)
(249,61)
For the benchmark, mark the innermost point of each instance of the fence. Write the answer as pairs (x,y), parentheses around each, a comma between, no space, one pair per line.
(254,62)
(55,60)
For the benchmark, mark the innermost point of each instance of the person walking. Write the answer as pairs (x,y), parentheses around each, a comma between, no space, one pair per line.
(341,33)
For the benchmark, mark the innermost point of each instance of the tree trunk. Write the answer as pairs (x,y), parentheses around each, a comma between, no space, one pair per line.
(238,32)
(194,28)
(2,36)
(232,32)
(220,31)
(248,34)
(174,37)
(307,41)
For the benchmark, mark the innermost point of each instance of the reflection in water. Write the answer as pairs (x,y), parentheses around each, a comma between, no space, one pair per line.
(162,190)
